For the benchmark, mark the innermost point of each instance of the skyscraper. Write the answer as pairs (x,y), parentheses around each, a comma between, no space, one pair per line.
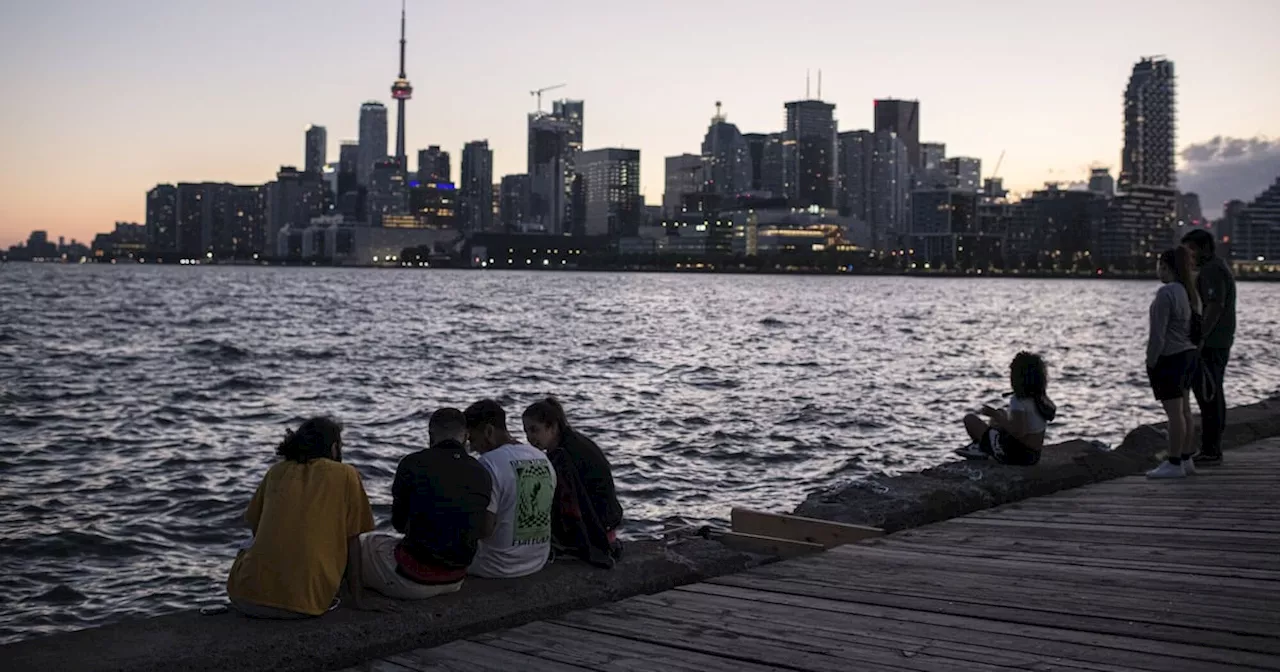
(611,182)
(1254,229)
(963,173)
(348,193)
(402,91)
(555,139)
(433,165)
(1101,182)
(1149,126)
(317,146)
(727,158)
(773,178)
(220,221)
(162,219)
(291,201)
(388,193)
(809,154)
(756,143)
(683,176)
(855,150)
(513,200)
(373,139)
(902,118)
(475,197)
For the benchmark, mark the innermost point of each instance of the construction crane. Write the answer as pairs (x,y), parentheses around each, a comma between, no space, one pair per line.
(537,93)
(996,173)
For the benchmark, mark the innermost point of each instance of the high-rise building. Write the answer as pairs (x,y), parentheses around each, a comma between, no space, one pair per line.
(945,231)
(875,184)
(611,183)
(373,139)
(809,154)
(964,173)
(220,221)
(773,173)
(1252,230)
(727,158)
(434,204)
(401,91)
(551,172)
(388,192)
(756,143)
(854,173)
(433,165)
(1189,212)
(1150,126)
(573,113)
(1054,229)
(902,118)
(932,154)
(683,176)
(348,196)
(291,201)
(317,147)
(475,197)
(513,201)
(1139,225)
(1101,182)
(162,219)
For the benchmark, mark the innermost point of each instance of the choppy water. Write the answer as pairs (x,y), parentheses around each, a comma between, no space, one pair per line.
(139,406)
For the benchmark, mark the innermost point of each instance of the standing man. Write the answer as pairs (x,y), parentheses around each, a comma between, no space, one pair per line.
(1217,289)
(524,485)
(440,502)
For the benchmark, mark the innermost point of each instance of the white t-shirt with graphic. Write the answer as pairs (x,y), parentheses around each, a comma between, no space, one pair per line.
(524,486)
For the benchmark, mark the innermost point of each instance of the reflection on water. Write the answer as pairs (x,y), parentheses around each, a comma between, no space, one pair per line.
(139,406)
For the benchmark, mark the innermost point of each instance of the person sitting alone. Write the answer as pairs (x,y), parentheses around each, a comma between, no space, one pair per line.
(307,516)
(439,502)
(587,514)
(524,485)
(1014,436)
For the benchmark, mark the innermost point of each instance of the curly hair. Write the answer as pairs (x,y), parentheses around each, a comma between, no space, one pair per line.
(1029,375)
(313,439)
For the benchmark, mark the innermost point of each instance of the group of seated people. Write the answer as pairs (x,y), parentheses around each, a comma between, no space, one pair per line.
(504,514)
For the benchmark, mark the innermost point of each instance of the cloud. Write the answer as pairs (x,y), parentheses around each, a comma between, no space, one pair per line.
(1225,168)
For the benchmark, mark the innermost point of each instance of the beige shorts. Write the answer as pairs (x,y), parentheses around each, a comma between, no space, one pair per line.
(378,570)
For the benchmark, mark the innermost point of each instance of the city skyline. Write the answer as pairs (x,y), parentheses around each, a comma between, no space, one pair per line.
(142,118)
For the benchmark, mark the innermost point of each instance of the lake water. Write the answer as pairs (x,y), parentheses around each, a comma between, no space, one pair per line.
(140,405)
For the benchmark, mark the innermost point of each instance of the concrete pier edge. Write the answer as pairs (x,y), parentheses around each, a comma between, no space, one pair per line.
(192,642)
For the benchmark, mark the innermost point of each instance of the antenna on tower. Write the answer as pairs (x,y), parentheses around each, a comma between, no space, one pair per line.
(819,83)
(719,116)
(806,84)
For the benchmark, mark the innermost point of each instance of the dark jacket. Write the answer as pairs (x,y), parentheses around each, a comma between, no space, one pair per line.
(586,510)
(439,497)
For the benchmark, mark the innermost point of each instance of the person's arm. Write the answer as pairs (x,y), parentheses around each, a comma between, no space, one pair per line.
(253,514)
(354,587)
(1160,309)
(401,491)
(490,521)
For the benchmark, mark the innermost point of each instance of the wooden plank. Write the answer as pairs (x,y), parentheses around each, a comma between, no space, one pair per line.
(1158,521)
(1133,536)
(1057,632)
(378,666)
(957,540)
(1104,654)
(598,651)
(1152,605)
(794,648)
(467,656)
(798,528)
(1155,631)
(751,543)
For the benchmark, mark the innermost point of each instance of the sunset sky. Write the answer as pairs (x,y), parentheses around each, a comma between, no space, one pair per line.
(104,99)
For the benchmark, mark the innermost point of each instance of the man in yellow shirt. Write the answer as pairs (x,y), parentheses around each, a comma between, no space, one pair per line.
(306,516)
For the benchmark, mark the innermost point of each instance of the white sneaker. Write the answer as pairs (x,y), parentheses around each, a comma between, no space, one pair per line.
(1167,469)
(1188,467)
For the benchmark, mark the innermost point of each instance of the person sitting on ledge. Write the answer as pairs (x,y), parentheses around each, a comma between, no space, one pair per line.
(524,485)
(306,516)
(587,513)
(439,501)
(1015,436)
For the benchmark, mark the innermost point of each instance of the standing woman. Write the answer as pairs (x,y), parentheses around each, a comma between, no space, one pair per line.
(1171,356)
(587,513)
(307,516)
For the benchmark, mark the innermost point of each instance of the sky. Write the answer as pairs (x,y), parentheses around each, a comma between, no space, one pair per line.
(104,99)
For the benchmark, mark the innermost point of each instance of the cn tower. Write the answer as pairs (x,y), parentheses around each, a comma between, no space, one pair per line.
(401,90)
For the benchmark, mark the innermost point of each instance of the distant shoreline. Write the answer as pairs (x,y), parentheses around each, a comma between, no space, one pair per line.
(999,275)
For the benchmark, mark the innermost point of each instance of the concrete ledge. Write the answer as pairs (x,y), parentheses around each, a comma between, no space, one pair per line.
(958,488)
(228,642)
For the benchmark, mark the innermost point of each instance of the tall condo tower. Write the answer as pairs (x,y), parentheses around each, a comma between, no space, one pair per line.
(402,91)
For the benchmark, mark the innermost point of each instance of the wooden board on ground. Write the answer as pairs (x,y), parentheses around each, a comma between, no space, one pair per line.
(1073,582)
(798,528)
(754,543)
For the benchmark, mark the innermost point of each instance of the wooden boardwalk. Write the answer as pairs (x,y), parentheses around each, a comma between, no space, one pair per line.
(1123,575)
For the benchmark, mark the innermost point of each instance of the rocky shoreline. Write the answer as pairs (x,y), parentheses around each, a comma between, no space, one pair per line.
(895,503)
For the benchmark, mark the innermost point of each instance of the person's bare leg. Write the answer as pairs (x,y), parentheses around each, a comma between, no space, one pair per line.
(976,427)
(1172,467)
(1189,435)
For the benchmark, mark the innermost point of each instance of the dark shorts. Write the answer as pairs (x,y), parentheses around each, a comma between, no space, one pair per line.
(1172,375)
(1005,449)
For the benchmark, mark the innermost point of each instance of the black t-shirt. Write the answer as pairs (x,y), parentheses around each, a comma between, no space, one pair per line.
(596,475)
(439,498)
(1215,284)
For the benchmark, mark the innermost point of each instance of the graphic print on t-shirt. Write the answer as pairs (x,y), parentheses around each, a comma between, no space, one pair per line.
(534,492)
